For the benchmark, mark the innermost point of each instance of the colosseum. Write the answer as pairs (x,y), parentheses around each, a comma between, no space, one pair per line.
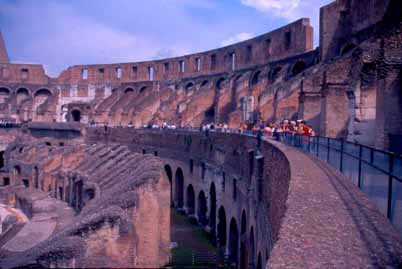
(91,175)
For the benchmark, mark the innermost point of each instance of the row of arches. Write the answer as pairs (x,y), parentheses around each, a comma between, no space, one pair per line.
(25,91)
(256,77)
(131,90)
(235,242)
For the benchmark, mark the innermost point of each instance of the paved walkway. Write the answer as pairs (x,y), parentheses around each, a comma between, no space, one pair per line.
(330,223)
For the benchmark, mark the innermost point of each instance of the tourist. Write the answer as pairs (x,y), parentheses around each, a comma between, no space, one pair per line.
(268,130)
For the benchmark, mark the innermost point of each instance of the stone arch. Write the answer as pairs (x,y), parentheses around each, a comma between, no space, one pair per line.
(36,177)
(89,194)
(275,73)
(202,209)
(128,90)
(189,86)
(244,255)
(25,182)
(255,78)
(16,174)
(4,94)
(251,248)
(2,159)
(298,67)
(190,202)
(212,206)
(169,174)
(243,228)
(76,115)
(233,243)
(22,94)
(349,47)
(238,77)
(41,96)
(220,83)
(143,89)
(179,188)
(244,252)
(222,227)
(259,261)
(42,92)
(78,187)
(204,83)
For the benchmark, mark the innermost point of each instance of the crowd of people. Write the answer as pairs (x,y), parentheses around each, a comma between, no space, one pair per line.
(266,129)
(286,126)
(275,130)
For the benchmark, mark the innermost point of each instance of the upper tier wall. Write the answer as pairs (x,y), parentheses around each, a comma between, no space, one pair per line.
(290,40)
(342,20)
(23,73)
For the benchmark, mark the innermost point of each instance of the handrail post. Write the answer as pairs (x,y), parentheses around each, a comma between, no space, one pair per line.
(341,161)
(359,179)
(390,171)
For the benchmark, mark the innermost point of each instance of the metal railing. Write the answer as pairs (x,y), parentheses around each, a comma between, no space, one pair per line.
(376,172)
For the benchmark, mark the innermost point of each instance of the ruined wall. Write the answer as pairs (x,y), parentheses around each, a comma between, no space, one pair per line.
(123,215)
(272,77)
(343,22)
(263,190)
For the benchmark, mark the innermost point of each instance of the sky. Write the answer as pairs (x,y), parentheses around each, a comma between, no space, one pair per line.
(62,33)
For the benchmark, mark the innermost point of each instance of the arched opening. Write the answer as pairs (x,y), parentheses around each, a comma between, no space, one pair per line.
(25,182)
(256,78)
(89,195)
(2,159)
(61,193)
(202,209)
(143,89)
(169,174)
(43,92)
(252,248)
(222,228)
(36,177)
(210,113)
(220,83)
(243,223)
(189,86)
(233,243)
(41,96)
(212,214)
(234,189)
(275,73)
(128,90)
(298,68)
(179,188)
(16,174)
(76,115)
(4,93)
(22,94)
(204,83)
(243,256)
(190,200)
(77,195)
(259,261)
(348,48)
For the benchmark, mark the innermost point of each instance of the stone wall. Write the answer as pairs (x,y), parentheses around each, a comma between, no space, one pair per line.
(271,77)
(122,215)
(290,203)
